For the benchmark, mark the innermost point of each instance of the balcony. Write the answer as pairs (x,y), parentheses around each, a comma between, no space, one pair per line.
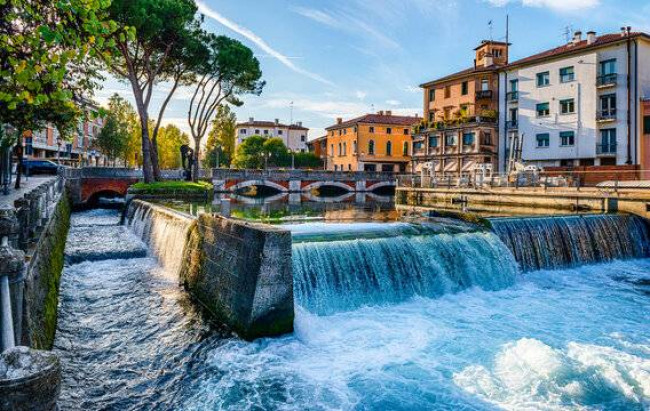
(606,149)
(606,115)
(512,96)
(512,125)
(483,94)
(607,80)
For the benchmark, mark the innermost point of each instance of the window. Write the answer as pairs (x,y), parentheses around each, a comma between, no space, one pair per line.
(340,149)
(266,132)
(567,74)
(242,131)
(567,106)
(487,138)
(608,67)
(354,147)
(607,141)
(464,88)
(543,79)
(406,131)
(405,149)
(432,94)
(332,149)
(543,140)
(340,132)
(433,141)
(389,148)
(485,84)
(389,130)
(432,116)
(608,105)
(345,131)
(257,132)
(468,138)
(371,129)
(345,149)
(567,138)
(543,110)
(28,146)
(646,124)
(279,132)
(303,138)
(371,147)
(497,52)
(447,91)
(349,167)
(450,140)
(514,85)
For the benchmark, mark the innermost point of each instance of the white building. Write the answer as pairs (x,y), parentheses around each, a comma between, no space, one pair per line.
(293,135)
(578,104)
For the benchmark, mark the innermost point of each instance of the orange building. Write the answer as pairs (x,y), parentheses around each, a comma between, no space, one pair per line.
(460,130)
(374,142)
(318,147)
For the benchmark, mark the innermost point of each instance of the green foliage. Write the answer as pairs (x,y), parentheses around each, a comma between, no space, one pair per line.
(47,59)
(258,152)
(222,138)
(170,140)
(114,136)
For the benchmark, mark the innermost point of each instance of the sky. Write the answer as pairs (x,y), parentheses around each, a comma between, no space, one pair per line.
(345,58)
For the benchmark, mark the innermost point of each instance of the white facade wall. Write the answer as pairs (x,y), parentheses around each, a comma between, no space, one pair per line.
(586,95)
(295,140)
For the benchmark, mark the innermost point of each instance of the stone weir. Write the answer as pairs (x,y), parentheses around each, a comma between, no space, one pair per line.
(239,272)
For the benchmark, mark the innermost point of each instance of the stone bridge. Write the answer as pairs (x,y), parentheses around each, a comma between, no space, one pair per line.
(300,181)
(87,184)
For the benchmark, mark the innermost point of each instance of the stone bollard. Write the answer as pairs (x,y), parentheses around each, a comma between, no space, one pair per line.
(22,213)
(30,380)
(12,263)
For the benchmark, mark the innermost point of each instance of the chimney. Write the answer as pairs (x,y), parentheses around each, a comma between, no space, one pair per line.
(591,37)
(299,123)
(623,31)
(577,37)
(488,60)
(381,112)
(389,113)
(339,120)
(277,121)
(251,119)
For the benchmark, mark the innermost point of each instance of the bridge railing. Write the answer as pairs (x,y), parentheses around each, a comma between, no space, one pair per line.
(100,172)
(228,174)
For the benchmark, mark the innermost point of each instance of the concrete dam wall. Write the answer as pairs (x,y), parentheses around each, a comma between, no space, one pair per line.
(239,272)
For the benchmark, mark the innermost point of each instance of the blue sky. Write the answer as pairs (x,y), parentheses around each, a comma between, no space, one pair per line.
(342,58)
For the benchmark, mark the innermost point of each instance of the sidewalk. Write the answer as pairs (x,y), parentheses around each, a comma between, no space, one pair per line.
(26,185)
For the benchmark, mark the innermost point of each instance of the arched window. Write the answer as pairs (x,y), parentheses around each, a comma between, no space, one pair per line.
(345,149)
(389,148)
(405,149)
(340,149)
(354,145)
(371,147)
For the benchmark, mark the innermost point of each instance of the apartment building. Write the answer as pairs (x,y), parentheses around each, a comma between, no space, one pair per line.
(293,135)
(318,147)
(77,149)
(580,104)
(459,130)
(373,142)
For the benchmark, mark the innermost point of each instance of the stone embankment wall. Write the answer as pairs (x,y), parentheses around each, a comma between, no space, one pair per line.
(240,273)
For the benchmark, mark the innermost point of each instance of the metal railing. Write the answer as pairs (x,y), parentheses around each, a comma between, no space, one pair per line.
(512,124)
(606,149)
(281,174)
(484,94)
(606,115)
(607,80)
(512,96)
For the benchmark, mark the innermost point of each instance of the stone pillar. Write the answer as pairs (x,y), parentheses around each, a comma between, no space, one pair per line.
(360,186)
(219,186)
(295,198)
(295,186)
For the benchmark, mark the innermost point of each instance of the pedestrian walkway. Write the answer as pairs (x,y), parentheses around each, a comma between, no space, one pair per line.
(26,185)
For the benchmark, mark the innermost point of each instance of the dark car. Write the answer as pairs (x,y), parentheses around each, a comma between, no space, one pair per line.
(31,167)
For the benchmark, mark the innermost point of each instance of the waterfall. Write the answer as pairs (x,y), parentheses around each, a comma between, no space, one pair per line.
(556,242)
(163,230)
(344,275)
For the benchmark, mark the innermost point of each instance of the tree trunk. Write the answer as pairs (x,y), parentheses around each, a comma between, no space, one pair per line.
(147,169)
(154,158)
(195,164)
(19,166)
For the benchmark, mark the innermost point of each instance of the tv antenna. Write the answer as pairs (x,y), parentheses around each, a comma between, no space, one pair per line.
(568,31)
(291,113)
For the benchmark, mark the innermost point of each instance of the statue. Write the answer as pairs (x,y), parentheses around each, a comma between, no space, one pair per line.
(187,159)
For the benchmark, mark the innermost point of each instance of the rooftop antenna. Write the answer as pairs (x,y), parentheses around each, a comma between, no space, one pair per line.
(291,115)
(490,27)
(372,108)
(507,38)
(567,33)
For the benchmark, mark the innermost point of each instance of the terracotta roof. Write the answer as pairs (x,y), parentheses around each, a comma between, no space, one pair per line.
(462,73)
(605,39)
(378,119)
(270,124)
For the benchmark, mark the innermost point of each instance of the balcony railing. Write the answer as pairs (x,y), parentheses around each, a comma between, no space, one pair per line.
(481,94)
(607,80)
(606,149)
(512,124)
(512,96)
(606,115)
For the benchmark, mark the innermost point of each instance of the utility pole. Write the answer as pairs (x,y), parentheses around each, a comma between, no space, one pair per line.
(291,113)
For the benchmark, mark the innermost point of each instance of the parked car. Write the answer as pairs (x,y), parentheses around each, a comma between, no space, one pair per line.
(31,167)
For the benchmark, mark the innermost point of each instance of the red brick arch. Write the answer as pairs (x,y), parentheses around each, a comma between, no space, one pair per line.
(92,186)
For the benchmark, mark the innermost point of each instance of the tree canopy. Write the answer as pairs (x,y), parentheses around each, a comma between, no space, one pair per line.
(222,138)
(260,152)
(170,140)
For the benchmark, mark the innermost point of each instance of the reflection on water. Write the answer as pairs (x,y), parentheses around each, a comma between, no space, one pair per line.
(282,207)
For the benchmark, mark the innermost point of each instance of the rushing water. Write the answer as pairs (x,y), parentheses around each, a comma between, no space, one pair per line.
(461,330)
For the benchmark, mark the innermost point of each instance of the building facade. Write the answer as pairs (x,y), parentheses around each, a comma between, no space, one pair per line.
(78,149)
(459,131)
(374,142)
(318,147)
(294,136)
(579,104)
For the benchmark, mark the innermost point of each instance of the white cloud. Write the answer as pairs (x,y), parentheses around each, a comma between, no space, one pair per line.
(413,89)
(260,42)
(330,109)
(360,94)
(557,5)
(393,102)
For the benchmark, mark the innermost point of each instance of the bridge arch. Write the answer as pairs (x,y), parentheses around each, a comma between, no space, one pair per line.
(250,183)
(92,188)
(319,184)
(380,184)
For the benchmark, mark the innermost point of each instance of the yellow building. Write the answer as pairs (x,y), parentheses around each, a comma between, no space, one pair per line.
(374,142)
